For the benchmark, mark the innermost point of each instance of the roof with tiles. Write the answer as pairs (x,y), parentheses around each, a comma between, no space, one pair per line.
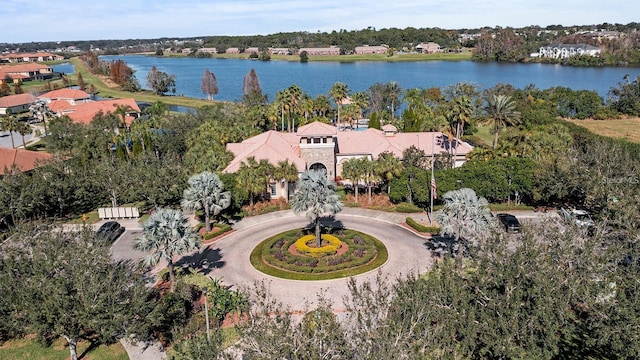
(85,112)
(24,160)
(16,100)
(65,94)
(316,128)
(272,146)
(275,146)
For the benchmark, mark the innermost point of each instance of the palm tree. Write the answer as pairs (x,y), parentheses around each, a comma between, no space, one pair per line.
(316,196)
(10,123)
(206,191)
(459,113)
(349,114)
(121,111)
(501,109)
(281,100)
(166,234)
(339,92)
(294,95)
(388,166)
(394,92)
(361,101)
(23,129)
(38,110)
(352,170)
(250,178)
(370,174)
(464,216)
(286,173)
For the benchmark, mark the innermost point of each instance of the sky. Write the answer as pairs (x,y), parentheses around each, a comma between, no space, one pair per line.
(68,20)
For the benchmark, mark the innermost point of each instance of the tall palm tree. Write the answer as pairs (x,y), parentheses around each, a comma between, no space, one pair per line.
(316,196)
(339,92)
(349,114)
(166,234)
(459,113)
(251,178)
(40,110)
(370,174)
(281,100)
(361,100)
(294,95)
(394,92)
(388,166)
(286,173)
(464,216)
(23,129)
(321,105)
(10,123)
(501,109)
(352,170)
(206,191)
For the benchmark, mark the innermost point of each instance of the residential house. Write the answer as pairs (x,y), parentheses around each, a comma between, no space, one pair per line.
(30,57)
(25,72)
(21,160)
(232,50)
(279,51)
(428,48)
(366,49)
(72,96)
(563,51)
(208,50)
(332,50)
(15,104)
(251,50)
(322,146)
(85,112)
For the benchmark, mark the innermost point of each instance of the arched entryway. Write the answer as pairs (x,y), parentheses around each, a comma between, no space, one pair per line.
(317,166)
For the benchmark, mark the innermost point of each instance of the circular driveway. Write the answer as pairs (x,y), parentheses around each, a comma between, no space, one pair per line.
(229,259)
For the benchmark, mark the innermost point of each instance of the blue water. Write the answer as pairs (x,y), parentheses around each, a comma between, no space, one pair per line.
(65,68)
(316,78)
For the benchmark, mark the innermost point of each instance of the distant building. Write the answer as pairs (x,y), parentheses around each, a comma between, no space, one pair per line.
(208,50)
(428,48)
(233,50)
(251,50)
(29,57)
(332,50)
(366,49)
(279,51)
(25,72)
(563,51)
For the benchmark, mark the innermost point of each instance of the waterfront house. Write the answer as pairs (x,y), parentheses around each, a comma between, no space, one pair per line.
(25,72)
(366,49)
(428,48)
(563,51)
(332,50)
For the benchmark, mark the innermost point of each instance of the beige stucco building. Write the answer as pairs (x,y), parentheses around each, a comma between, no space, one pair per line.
(318,145)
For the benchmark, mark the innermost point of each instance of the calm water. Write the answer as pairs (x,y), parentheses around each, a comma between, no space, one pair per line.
(316,78)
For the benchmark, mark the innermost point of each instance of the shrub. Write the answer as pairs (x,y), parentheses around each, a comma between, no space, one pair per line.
(332,248)
(422,228)
(222,228)
(407,208)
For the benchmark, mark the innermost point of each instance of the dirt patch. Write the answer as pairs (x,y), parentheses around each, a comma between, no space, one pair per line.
(617,128)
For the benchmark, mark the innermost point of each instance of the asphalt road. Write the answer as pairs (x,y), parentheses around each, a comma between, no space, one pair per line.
(229,260)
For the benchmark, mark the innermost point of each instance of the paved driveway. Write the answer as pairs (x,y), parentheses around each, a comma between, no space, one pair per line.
(229,258)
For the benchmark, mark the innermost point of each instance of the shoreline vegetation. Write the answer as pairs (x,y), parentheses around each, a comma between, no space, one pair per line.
(610,128)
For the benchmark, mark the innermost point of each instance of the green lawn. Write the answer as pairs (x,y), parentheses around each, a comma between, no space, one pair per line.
(30,349)
(486,134)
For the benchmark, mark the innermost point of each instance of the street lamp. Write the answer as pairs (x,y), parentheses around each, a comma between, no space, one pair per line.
(206,312)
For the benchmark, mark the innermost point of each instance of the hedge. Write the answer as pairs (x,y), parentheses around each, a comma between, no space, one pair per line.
(223,228)
(421,228)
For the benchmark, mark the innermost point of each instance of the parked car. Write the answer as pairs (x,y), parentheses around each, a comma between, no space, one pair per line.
(510,223)
(110,231)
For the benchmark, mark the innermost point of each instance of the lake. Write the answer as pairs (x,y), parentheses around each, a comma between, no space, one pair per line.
(316,78)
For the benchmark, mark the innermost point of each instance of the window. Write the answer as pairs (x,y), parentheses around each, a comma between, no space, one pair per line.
(272,189)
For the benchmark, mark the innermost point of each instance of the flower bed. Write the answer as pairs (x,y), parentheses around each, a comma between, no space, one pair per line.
(303,247)
(363,253)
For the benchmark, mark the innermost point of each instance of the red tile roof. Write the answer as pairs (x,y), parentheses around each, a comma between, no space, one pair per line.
(85,112)
(24,160)
(66,94)
(16,100)
(275,146)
